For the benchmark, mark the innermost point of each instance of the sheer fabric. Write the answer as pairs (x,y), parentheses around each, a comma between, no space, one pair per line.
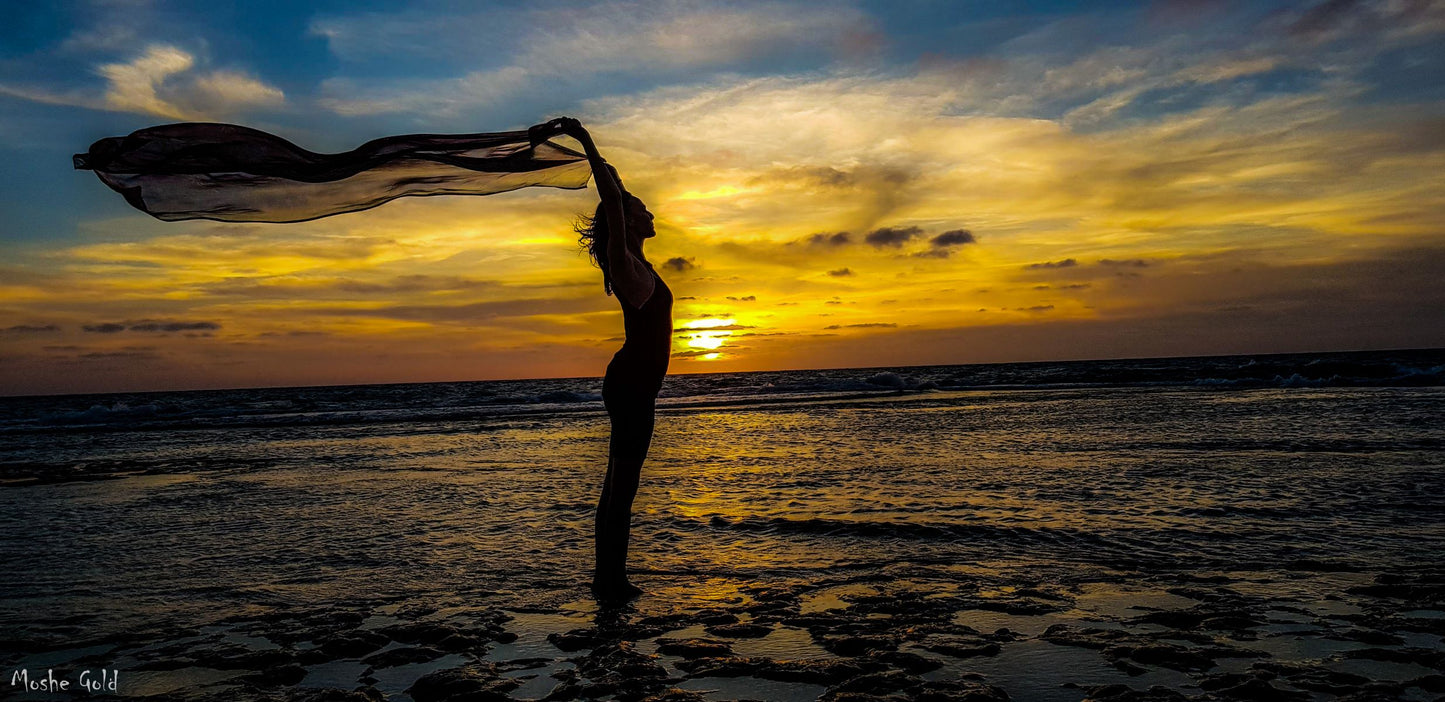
(230,173)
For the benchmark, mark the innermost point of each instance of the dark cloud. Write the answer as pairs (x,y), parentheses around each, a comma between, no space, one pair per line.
(414,283)
(864,325)
(953,237)
(290,288)
(30,329)
(841,272)
(1035,308)
(866,177)
(1125,263)
(150,325)
(477,311)
(726,327)
(891,236)
(123,352)
(680,264)
(745,298)
(808,175)
(1325,18)
(693,354)
(825,239)
(154,326)
(1066,263)
(119,354)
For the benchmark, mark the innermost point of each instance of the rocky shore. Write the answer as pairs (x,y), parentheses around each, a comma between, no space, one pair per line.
(864,637)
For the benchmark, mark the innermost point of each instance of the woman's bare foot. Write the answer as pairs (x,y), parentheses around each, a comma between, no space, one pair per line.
(615,590)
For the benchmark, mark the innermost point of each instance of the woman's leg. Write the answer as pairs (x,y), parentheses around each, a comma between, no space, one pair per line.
(632,425)
(614,520)
(600,530)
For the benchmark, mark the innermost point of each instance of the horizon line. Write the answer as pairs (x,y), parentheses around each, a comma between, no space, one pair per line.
(772,370)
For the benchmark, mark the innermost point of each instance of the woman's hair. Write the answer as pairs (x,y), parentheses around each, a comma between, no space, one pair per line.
(592,236)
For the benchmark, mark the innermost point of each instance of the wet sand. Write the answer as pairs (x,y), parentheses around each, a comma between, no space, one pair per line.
(947,632)
(1049,545)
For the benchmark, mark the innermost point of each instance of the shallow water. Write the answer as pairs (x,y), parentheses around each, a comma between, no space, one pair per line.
(1112,495)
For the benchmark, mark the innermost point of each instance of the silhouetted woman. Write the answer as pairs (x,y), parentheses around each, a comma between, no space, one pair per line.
(614,236)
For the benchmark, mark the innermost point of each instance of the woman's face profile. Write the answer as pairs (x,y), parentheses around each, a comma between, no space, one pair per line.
(639,219)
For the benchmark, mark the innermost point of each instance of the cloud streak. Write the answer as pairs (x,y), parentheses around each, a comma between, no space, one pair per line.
(562,45)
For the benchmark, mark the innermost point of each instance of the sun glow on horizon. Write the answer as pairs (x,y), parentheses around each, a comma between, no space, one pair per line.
(708,334)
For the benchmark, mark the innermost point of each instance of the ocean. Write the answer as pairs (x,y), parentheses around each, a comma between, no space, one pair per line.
(1043,530)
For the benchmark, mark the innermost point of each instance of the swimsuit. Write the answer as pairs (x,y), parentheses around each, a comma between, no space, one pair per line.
(634,377)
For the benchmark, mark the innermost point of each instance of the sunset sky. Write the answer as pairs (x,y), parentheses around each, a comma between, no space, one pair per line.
(835,184)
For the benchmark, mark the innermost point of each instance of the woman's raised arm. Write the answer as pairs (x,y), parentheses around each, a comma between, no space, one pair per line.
(631,278)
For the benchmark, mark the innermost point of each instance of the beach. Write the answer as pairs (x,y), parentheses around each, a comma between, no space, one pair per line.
(1260,528)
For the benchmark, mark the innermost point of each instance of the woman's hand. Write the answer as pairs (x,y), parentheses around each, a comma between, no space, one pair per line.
(572,128)
(561,125)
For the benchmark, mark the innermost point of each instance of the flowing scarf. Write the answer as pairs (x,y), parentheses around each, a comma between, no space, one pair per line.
(229,173)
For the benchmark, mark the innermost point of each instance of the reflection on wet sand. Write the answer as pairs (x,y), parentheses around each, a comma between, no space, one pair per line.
(1047,545)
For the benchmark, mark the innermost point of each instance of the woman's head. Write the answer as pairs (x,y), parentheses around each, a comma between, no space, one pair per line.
(639,219)
(593,233)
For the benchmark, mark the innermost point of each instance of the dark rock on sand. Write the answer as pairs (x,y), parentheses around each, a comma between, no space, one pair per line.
(960,649)
(899,686)
(675,620)
(1429,683)
(1373,637)
(716,617)
(911,662)
(576,639)
(1158,654)
(283,676)
(1429,658)
(617,668)
(1208,617)
(880,684)
(1380,693)
(417,632)
(858,645)
(740,631)
(817,671)
(959,691)
(694,648)
(242,659)
(360,694)
(351,644)
(1322,566)
(1022,607)
(1255,689)
(463,642)
(675,695)
(1124,693)
(1422,590)
(474,681)
(1087,637)
(1324,680)
(402,656)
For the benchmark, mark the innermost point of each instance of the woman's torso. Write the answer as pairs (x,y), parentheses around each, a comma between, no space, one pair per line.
(648,337)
